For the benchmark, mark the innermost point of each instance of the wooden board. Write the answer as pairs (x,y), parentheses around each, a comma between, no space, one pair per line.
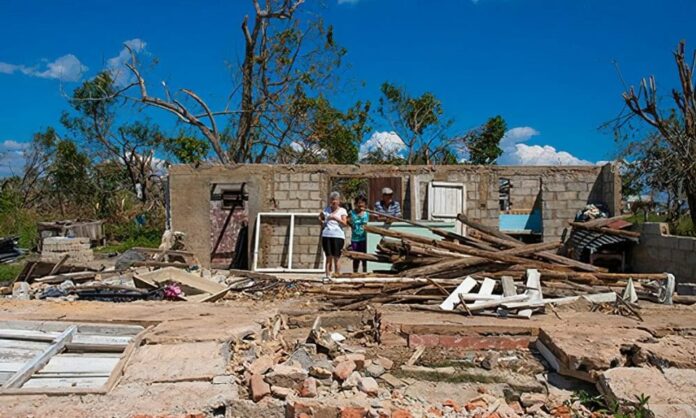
(80,364)
(453,299)
(67,383)
(60,326)
(171,274)
(83,339)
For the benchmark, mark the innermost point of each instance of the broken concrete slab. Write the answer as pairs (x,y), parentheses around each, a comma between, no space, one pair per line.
(590,348)
(192,284)
(671,387)
(157,363)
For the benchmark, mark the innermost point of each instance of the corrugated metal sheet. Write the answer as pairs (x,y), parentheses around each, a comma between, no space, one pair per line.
(581,239)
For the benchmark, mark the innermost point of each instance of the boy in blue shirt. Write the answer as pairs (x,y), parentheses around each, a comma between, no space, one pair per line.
(358,239)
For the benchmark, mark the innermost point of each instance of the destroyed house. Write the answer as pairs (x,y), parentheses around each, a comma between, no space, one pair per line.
(264,217)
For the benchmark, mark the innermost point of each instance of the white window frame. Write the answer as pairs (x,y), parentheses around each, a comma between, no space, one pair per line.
(281,269)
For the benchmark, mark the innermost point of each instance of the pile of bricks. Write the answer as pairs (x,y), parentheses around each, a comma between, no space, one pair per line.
(55,248)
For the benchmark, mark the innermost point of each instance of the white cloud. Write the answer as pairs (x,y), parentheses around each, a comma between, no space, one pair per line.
(388,142)
(545,155)
(11,157)
(65,68)
(312,149)
(117,65)
(6,68)
(12,145)
(517,153)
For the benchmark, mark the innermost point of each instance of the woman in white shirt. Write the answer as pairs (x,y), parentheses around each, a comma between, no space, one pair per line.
(333,218)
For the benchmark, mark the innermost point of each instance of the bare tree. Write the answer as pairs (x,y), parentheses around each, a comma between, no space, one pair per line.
(283,60)
(677,127)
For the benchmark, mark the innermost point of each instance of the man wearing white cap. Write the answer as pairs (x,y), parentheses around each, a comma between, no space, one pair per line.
(388,205)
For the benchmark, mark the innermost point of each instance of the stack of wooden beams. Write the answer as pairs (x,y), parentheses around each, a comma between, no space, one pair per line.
(426,270)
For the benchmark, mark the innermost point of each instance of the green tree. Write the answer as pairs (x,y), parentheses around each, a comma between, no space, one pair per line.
(95,122)
(70,180)
(329,135)
(483,143)
(419,121)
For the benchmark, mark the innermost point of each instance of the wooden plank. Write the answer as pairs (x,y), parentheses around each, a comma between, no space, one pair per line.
(79,339)
(59,264)
(69,375)
(486,289)
(21,344)
(169,274)
(508,284)
(80,364)
(82,328)
(453,299)
(127,353)
(18,354)
(80,382)
(11,366)
(23,374)
(534,285)
(4,376)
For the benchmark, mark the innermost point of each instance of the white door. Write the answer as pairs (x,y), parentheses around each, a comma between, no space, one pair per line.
(446,201)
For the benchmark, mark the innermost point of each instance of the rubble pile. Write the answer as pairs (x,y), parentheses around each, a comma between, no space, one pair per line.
(488,271)
(327,375)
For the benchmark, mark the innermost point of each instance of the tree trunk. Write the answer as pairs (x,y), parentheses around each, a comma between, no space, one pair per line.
(691,199)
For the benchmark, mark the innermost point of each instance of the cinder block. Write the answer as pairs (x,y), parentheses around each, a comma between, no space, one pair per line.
(577,187)
(310,204)
(308,186)
(567,195)
(554,187)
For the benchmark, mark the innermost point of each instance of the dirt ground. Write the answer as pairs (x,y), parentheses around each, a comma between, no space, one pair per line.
(183,366)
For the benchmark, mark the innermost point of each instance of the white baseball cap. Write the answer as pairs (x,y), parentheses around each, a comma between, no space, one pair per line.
(387,190)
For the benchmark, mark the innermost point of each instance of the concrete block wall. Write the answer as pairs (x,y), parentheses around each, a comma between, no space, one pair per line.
(294,192)
(303,189)
(658,251)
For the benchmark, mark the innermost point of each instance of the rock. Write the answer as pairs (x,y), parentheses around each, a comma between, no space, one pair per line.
(286,376)
(392,381)
(344,369)
(452,404)
(21,291)
(353,412)
(401,413)
(384,362)
(505,410)
(309,388)
(368,385)
(374,370)
(259,388)
(281,392)
(491,360)
(261,365)
(475,404)
(357,358)
(530,399)
(352,381)
(301,357)
(321,370)
(224,379)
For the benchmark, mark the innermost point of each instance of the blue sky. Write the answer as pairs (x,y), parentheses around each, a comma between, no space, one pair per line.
(546,66)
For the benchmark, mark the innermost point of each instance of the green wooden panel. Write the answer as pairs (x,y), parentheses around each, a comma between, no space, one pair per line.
(373,239)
